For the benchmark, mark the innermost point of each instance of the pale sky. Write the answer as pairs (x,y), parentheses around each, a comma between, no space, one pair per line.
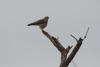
(22,46)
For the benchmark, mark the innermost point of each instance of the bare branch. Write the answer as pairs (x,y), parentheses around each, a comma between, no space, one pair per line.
(74,37)
(76,48)
(68,48)
(54,40)
(86,33)
(58,45)
(74,51)
(46,34)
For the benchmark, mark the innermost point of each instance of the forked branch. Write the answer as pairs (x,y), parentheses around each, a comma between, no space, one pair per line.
(76,48)
(64,51)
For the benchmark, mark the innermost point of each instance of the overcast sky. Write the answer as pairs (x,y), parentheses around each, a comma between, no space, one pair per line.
(22,46)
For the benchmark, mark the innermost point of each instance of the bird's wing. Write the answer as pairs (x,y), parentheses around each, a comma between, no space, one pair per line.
(38,22)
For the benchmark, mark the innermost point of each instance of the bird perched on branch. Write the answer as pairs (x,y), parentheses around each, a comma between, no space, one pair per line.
(42,23)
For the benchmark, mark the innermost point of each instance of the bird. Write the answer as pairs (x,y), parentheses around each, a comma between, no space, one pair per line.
(42,23)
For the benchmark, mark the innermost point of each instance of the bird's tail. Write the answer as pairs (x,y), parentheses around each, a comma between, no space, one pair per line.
(29,24)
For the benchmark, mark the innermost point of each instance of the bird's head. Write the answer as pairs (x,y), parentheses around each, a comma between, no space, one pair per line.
(47,17)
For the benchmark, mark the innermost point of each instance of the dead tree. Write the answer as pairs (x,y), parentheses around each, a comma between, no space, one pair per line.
(64,51)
